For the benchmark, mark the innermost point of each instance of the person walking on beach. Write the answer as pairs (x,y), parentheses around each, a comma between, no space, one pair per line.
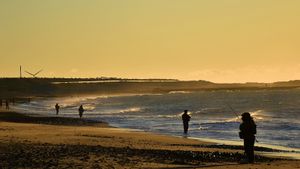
(185,119)
(80,110)
(7,105)
(247,132)
(57,108)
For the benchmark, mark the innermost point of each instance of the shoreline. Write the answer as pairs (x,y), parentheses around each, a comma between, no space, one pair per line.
(89,122)
(14,116)
(261,149)
(80,141)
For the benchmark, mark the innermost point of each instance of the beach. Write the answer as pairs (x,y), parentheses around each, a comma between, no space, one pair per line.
(212,117)
(34,141)
(149,84)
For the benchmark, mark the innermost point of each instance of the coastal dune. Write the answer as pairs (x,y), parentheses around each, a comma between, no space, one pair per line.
(55,142)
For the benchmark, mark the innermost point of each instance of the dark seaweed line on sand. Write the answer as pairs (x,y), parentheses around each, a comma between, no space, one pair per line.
(14,155)
(65,121)
(231,147)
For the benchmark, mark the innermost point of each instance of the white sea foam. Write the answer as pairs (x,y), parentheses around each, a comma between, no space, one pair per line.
(179,92)
(131,110)
(170,116)
(234,119)
(260,115)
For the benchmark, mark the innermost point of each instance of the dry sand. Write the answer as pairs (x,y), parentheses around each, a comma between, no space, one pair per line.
(54,142)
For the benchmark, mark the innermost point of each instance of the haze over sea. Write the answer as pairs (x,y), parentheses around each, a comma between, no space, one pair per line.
(276,112)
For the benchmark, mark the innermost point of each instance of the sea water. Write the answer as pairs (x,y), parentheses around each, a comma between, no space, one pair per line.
(214,113)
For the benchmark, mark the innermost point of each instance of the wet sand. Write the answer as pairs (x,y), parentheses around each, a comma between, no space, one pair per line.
(55,142)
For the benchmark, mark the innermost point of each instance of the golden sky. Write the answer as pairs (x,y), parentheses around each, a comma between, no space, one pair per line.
(215,40)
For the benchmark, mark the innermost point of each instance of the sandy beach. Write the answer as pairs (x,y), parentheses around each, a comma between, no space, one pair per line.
(56,142)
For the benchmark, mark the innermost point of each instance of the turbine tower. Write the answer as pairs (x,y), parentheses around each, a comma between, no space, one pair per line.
(20,72)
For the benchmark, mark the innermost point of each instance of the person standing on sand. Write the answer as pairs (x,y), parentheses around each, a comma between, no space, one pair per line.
(185,119)
(7,104)
(57,108)
(247,132)
(0,102)
(80,110)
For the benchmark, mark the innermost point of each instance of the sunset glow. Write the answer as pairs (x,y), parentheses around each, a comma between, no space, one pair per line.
(214,40)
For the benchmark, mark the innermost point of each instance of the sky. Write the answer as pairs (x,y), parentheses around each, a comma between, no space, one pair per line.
(214,40)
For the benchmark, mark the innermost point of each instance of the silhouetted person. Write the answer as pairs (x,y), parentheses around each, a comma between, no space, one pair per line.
(57,108)
(0,102)
(185,119)
(247,132)
(80,110)
(7,105)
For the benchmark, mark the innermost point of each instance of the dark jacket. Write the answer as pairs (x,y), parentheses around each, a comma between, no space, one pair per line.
(186,117)
(247,130)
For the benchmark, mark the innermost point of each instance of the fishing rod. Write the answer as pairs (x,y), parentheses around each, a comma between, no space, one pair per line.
(232,110)
(236,115)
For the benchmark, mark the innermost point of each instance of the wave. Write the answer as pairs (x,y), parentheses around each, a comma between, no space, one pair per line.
(179,92)
(109,112)
(203,128)
(208,110)
(234,119)
(260,115)
(169,116)
(89,107)
(131,110)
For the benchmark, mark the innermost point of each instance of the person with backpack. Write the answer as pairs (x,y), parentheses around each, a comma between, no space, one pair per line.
(247,133)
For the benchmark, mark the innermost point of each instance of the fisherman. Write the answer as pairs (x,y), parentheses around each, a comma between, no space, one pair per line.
(185,119)
(7,104)
(80,110)
(247,132)
(57,108)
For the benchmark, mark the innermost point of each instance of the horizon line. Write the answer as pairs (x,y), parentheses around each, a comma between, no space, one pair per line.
(120,78)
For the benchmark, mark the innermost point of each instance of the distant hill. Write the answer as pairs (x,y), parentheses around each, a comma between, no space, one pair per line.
(32,87)
(288,83)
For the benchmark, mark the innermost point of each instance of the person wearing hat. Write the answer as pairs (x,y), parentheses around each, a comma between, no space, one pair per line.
(247,132)
(185,119)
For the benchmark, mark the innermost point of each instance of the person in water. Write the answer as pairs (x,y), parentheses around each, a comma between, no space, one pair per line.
(185,119)
(57,108)
(80,110)
(247,132)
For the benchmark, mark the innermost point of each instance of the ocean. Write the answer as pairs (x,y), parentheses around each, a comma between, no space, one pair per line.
(214,113)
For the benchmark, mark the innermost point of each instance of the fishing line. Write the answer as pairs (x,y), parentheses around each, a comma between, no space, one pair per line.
(238,117)
(232,109)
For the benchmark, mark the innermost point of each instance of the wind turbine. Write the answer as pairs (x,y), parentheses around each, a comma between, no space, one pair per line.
(34,74)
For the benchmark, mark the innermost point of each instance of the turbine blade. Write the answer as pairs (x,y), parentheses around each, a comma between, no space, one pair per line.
(38,72)
(29,73)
